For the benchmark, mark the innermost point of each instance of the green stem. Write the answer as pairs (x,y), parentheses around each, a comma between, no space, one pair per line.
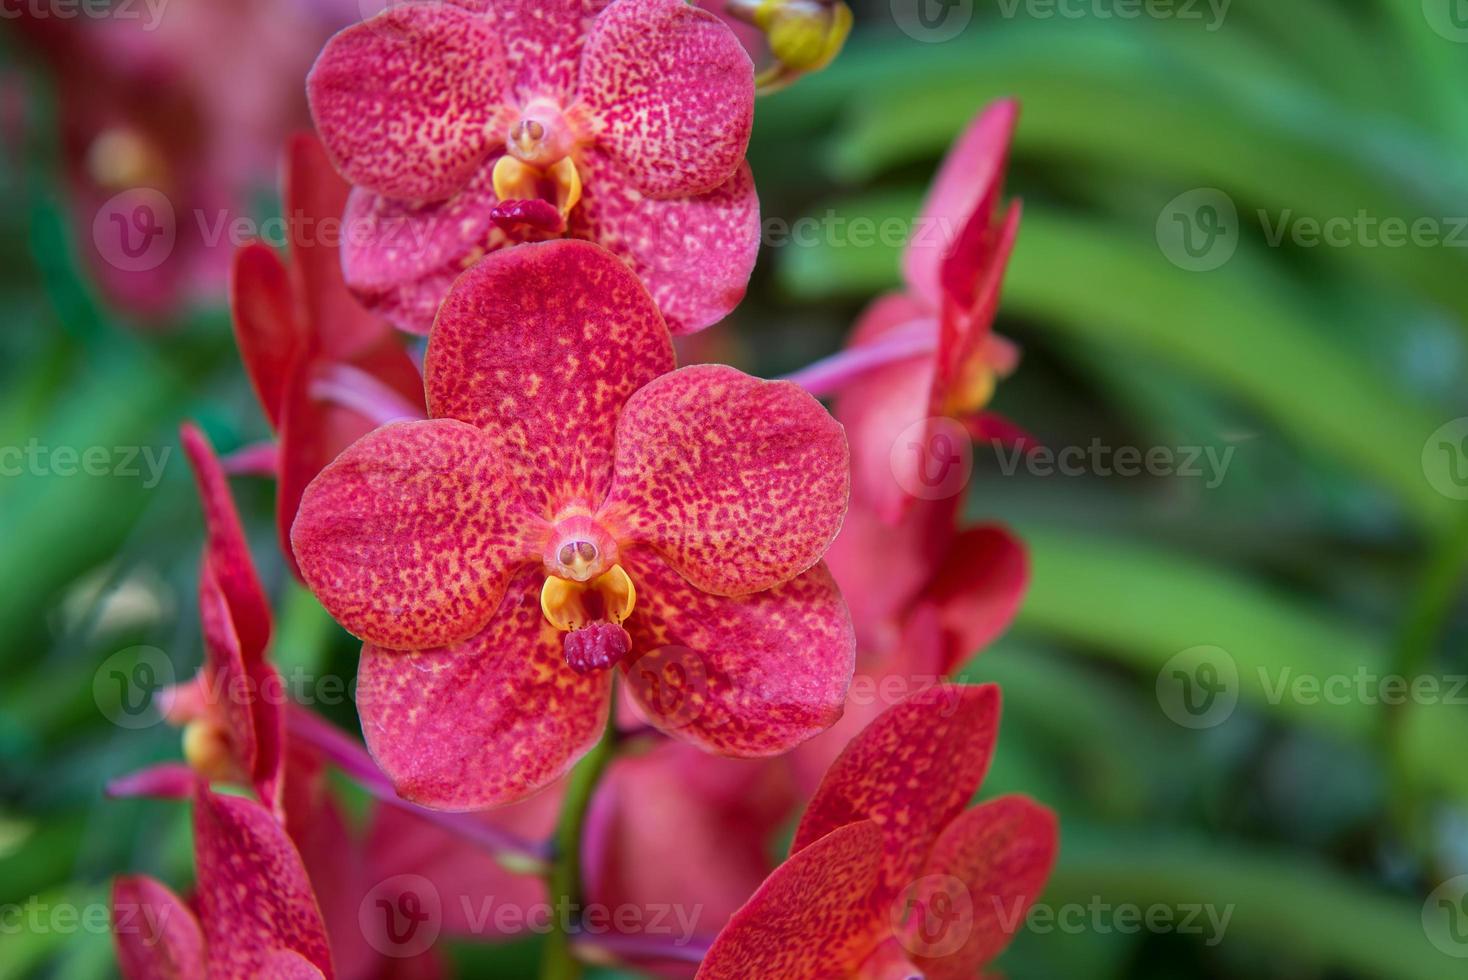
(563,880)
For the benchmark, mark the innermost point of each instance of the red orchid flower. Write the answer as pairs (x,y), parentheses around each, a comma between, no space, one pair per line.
(300,330)
(232,711)
(472,125)
(573,503)
(889,875)
(954,267)
(254,915)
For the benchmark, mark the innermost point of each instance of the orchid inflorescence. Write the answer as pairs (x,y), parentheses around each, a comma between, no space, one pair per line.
(610,608)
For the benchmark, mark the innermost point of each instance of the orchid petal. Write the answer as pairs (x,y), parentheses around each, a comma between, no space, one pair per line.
(226,552)
(254,897)
(910,772)
(695,253)
(155,932)
(1002,851)
(881,407)
(543,40)
(401,257)
(409,537)
(978,590)
(315,201)
(811,919)
(970,173)
(672,92)
(542,344)
(406,101)
(485,722)
(709,819)
(267,326)
(749,676)
(740,484)
(165,781)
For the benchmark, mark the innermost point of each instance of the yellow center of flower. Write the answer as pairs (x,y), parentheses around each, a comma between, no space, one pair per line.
(537,163)
(206,749)
(571,605)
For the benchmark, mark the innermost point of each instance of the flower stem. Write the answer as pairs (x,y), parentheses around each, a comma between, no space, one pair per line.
(563,882)
(830,374)
(352,759)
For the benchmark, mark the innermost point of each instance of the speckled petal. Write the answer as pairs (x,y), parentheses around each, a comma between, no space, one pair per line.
(285,964)
(543,39)
(880,407)
(253,894)
(401,257)
(267,326)
(694,253)
(313,432)
(672,93)
(1002,851)
(911,771)
(542,344)
(156,934)
(977,590)
(488,721)
(970,173)
(749,676)
(410,536)
(406,102)
(811,919)
(225,550)
(739,483)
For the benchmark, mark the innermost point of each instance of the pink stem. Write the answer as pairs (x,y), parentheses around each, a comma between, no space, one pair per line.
(352,759)
(830,374)
(257,459)
(353,388)
(625,947)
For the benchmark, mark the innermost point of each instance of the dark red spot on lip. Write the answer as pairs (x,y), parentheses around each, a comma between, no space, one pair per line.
(597,646)
(512,216)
